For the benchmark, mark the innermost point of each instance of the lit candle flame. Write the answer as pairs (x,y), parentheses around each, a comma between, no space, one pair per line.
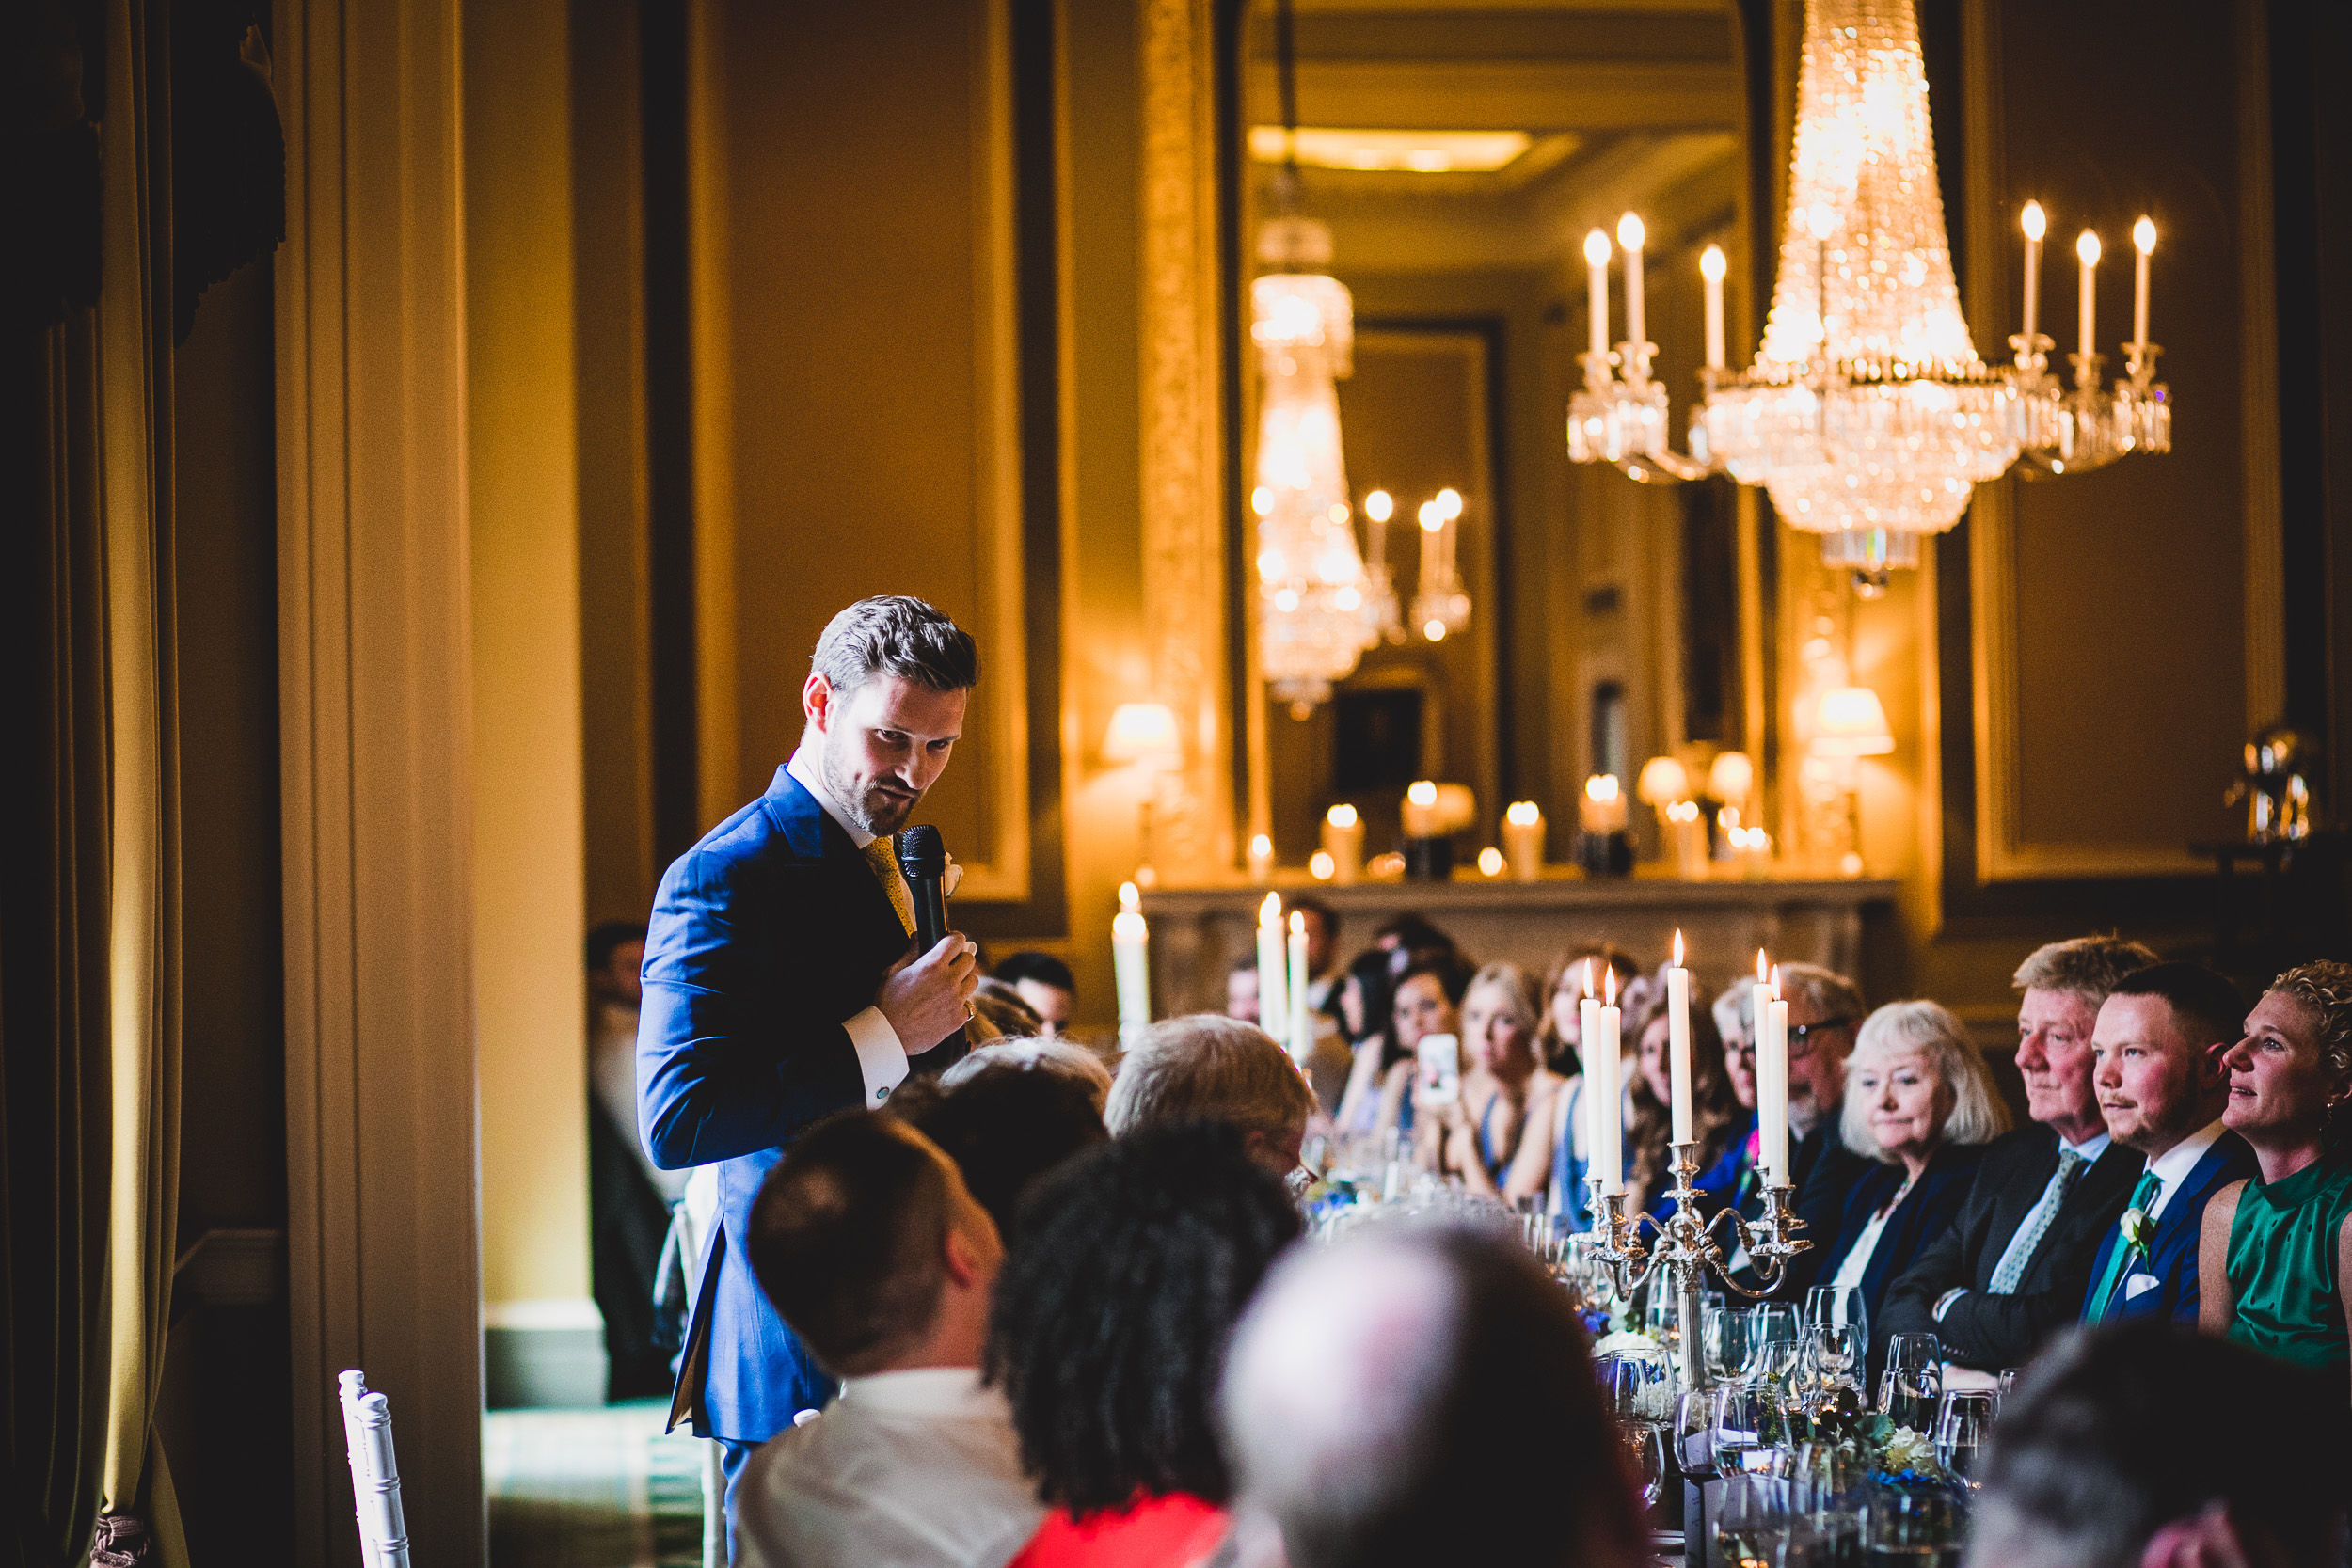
(2087,248)
(1588,978)
(2034,221)
(1341,815)
(1523,814)
(1597,248)
(1677,949)
(2144,236)
(1298,923)
(1423,792)
(1129,899)
(1601,786)
(1759,966)
(1775,982)
(1270,912)
(1629,234)
(1711,264)
(1607,987)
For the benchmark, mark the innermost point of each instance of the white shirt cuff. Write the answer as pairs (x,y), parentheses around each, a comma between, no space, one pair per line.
(879,1057)
(1943,1303)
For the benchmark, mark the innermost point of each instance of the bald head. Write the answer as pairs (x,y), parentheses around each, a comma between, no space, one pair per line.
(1422,1396)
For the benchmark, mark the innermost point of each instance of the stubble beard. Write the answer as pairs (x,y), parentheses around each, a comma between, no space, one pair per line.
(874,812)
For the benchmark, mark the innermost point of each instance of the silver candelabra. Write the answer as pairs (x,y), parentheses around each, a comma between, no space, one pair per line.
(1686,1249)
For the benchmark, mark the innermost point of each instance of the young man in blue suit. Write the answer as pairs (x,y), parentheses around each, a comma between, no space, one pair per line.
(2161,1090)
(781,985)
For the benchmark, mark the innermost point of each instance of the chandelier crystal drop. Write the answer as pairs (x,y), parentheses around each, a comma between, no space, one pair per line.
(1866,413)
(1312,592)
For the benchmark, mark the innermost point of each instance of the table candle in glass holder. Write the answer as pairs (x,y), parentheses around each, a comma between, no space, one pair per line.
(1344,841)
(1523,840)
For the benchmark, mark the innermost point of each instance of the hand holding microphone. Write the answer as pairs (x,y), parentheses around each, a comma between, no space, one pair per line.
(927,996)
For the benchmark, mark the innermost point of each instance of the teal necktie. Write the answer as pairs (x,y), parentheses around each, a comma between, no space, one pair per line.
(2120,1260)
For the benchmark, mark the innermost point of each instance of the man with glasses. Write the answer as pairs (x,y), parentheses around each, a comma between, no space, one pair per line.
(2015,1265)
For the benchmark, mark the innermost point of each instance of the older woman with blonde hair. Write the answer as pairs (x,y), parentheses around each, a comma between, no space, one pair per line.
(1921,1103)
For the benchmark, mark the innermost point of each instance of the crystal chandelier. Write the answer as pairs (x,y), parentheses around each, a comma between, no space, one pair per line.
(1866,413)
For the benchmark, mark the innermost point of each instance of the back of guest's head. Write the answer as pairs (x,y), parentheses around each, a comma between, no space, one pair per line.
(1411,933)
(1830,993)
(2206,1007)
(847,1239)
(1007,1012)
(1416,1396)
(1204,1066)
(1115,1306)
(1979,1115)
(898,637)
(1451,971)
(1043,967)
(2088,968)
(1057,1058)
(1005,1127)
(2118,1433)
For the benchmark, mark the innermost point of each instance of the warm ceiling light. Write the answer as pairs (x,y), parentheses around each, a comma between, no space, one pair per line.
(1389,152)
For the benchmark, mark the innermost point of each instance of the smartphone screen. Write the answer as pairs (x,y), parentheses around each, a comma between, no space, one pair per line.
(1440,1069)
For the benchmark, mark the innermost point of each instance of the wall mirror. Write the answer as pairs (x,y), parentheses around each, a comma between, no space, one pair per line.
(1459,153)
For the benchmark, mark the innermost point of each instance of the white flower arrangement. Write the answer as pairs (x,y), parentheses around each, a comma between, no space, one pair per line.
(1907,1449)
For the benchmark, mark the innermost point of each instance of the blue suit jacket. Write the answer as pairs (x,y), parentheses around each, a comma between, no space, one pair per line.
(1925,1213)
(766,937)
(2171,1259)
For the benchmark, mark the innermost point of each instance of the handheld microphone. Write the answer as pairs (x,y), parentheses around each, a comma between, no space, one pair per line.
(923,861)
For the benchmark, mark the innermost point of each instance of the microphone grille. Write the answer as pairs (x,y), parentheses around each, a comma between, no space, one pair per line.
(921,852)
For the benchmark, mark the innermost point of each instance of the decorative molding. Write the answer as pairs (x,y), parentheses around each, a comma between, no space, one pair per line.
(2258,373)
(1184,506)
(711,335)
(374,680)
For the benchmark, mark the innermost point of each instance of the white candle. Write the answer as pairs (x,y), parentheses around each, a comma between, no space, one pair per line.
(2087,252)
(1130,964)
(1344,841)
(1273,1002)
(2144,242)
(1302,1032)
(1597,289)
(1261,858)
(1588,1016)
(1602,810)
(2035,224)
(1419,813)
(1772,1078)
(1523,840)
(1678,1042)
(1711,269)
(1630,237)
(1606,1059)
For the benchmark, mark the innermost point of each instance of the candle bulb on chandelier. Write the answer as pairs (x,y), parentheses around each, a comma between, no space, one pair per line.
(1630,238)
(2144,242)
(2035,226)
(1596,275)
(1711,269)
(2087,251)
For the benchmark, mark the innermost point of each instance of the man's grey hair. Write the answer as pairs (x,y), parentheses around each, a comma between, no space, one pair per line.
(1205,1066)
(1056,1058)
(1977,1115)
(2086,967)
(1830,994)
(895,635)
(1735,1009)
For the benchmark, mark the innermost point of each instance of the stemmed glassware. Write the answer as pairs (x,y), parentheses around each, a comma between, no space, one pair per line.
(1725,1332)
(1693,1430)
(1744,1434)
(1910,1527)
(1753,1523)
(1838,1305)
(1963,1425)
(1772,1342)
(1912,1384)
(1835,1355)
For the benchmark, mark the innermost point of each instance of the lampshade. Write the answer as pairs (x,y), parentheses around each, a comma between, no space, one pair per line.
(1663,780)
(1851,723)
(1731,776)
(1145,733)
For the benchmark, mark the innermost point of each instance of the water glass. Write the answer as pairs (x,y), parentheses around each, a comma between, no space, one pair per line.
(1746,1429)
(1644,1458)
(1963,1425)
(1910,1529)
(1723,1332)
(1751,1522)
(1694,1444)
(1772,1341)
(1912,1384)
(1638,1386)
(1838,1306)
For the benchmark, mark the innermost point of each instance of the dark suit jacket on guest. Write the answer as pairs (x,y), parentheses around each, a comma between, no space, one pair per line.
(2163,1283)
(766,939)
(1926,1212)
(1824,1172)
(1987,1331)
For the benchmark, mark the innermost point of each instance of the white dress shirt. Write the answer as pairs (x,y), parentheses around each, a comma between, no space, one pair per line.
(2172,1166)
(881,1057)
(914,1469)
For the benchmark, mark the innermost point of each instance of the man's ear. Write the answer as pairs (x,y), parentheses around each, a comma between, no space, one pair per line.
(963,1262)
(817,701)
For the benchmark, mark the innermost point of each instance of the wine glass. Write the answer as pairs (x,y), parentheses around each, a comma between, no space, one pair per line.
(1745,1429)
(1914,1381)
(1644,1458)
(1751,1522)
(1835,1354)
(1638,1386)
(1694,1445)
(1772,1341)
(1838,1305)
(1723,1332)
(1963,1424)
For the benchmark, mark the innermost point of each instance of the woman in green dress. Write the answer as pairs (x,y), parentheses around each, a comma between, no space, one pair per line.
(2275,1257)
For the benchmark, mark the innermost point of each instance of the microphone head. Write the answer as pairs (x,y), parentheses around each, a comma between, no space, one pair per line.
(922,852)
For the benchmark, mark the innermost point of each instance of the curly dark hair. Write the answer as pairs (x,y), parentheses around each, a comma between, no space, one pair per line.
(1112,1310)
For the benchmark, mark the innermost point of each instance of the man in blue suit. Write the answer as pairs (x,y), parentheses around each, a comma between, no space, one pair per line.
(2157,1049)
(780,985)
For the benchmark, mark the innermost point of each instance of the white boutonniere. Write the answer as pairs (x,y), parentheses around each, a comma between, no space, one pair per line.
(2135,1227)
(951,878)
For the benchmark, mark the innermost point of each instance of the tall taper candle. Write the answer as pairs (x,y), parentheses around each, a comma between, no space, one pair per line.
(1273,996)
(1608,1057)
(1588,1017)
(2144,242)
(1131,964)
(1771,1075)
(1711,269)
(2087,252)
(1630,237)
(1597,289)
(2035,226)
(1678,1041)
(1303,1028)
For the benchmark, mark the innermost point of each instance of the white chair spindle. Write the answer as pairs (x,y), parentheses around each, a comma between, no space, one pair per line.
(374,1474)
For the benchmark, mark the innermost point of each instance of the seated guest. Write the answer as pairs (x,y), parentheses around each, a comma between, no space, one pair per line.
(1824,1009)
(1003,1126)
(1323,952)
(2277,1246)
(2157,1047)
(1564,990)
(1203,1067)
(1241,992)
(2016,1264)
(1921,1104)
(1564,1158)
(1058,1058)
(1046,984)
(873,1251)
(1412,933)
(998,1012)
(2142,1446)
(1367,995)
(1111,1321)
(1505,1088)
(1429,993)
(1735,1176)
(1422,1396)
(1717,1121)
